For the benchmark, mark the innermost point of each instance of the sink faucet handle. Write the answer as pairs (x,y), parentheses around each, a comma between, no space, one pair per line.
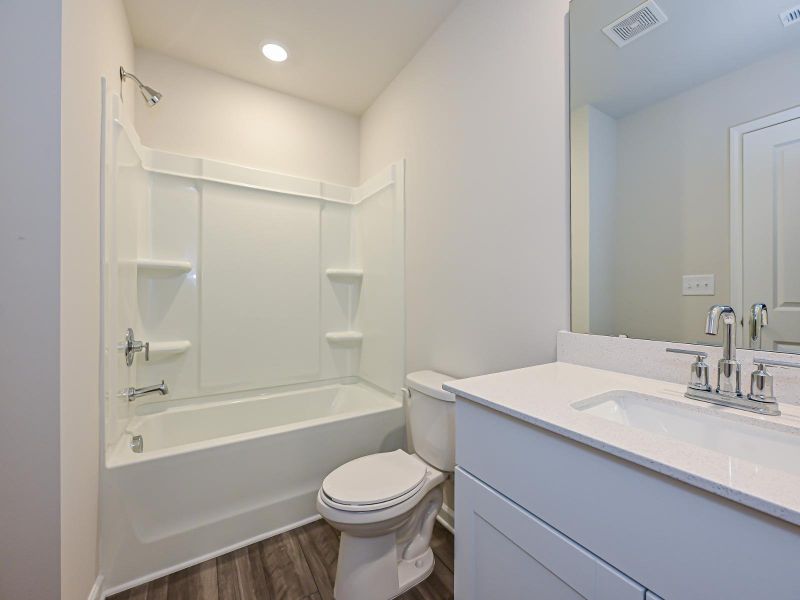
(696,353)
(761,382)
(698,378)
(773,362)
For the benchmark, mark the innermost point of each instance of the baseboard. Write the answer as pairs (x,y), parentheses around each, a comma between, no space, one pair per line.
(196,561)
(447,518)
(96,593)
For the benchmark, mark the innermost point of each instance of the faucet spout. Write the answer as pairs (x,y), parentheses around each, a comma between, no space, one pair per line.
(728,317)
(728,369)
(132,393)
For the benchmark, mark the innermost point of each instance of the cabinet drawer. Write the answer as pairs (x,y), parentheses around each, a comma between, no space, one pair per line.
(503,551)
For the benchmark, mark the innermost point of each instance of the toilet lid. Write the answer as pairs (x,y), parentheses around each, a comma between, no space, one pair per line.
(375,479)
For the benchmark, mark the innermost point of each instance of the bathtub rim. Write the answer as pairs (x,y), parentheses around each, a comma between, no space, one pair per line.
(119,454)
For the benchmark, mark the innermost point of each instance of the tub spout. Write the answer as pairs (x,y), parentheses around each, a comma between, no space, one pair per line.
(132,393)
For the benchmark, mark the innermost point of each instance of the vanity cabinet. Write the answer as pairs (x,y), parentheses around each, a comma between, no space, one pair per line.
(512,554)
(543,516)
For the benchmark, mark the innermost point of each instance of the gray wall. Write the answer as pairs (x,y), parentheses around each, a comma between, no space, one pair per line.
(30,120)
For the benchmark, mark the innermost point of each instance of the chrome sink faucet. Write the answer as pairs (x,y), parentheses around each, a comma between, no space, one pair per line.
(132,393)
(729,371)
(728,392)
(759,318)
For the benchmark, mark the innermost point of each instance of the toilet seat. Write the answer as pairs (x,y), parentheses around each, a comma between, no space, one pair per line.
(374,482)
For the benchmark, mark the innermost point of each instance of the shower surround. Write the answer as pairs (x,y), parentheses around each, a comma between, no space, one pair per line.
(273,308)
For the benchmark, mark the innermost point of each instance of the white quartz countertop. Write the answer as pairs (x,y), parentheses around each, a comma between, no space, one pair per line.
(544,396)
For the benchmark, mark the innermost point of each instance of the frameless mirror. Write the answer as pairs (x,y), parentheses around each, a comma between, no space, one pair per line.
(685,131)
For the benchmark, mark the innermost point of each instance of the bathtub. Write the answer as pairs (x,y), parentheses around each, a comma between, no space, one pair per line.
(216,475)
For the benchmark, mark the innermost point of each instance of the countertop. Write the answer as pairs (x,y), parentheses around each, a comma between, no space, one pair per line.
(544,396)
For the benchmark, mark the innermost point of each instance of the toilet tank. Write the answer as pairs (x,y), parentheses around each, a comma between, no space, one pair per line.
(431,419)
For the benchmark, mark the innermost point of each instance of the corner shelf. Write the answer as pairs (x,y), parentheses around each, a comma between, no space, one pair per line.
(349,338)
(345,275)
(163,267)
(163,349)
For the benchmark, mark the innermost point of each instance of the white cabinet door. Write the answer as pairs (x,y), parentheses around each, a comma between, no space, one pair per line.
(771,211)
(502,551)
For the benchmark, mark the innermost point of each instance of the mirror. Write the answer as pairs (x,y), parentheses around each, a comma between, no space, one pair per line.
(685,132)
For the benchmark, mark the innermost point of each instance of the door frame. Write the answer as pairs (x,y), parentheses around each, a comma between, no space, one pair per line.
(736,142)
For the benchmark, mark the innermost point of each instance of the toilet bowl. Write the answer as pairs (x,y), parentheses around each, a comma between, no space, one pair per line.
(385,505)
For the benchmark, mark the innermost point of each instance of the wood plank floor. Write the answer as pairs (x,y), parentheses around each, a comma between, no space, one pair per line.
(297,565)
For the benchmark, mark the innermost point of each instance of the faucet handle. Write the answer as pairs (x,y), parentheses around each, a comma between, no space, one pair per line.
(764,361)
(698,379)
(699,355)
(761,382)
(131,346)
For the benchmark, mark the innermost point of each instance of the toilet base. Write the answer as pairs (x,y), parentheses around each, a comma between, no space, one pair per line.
(412,572)
(369,569)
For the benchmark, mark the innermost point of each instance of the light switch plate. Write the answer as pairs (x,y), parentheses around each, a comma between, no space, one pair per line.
(698,285)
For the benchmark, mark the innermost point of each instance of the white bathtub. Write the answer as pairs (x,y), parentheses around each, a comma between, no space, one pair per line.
(218,475)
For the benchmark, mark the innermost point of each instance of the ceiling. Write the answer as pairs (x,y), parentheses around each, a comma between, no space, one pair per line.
(342,53)
(702,40)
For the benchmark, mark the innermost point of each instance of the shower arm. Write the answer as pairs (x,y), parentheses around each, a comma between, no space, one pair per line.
(151,96)
(123,74)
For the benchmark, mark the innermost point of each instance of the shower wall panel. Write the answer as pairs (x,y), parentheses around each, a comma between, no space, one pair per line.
(259,288)
(169,304)
(378,246)
(244,280)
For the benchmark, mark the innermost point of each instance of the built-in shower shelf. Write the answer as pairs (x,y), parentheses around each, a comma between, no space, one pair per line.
(163,267)
(345,275)
(349,338)
(163,349)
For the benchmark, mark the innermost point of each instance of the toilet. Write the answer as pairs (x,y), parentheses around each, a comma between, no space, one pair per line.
(385,505)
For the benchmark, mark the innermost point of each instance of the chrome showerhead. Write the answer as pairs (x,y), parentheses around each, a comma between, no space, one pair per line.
(151,96)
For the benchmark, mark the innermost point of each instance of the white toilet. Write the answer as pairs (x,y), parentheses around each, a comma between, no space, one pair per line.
(385,504)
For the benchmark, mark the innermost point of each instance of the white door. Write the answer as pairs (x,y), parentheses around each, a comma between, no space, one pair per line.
(771,232)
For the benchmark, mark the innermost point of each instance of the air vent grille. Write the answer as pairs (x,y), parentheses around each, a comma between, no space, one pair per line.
(791,16)
(642,19)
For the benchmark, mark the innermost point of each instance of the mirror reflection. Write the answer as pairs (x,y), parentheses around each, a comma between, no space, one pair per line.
(685,133)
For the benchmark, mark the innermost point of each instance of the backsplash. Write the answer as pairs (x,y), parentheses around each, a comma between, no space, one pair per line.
(647,358)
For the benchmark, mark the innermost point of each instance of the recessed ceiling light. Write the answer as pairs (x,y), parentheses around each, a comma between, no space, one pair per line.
(275,52)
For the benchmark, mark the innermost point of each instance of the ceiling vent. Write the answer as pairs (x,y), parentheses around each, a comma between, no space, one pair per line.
(642,19)
(791,16)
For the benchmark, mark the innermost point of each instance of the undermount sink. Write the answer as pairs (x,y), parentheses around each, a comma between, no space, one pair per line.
(759,442)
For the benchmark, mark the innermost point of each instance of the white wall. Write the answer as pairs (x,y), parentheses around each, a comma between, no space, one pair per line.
(673,196)
(214,116)
(480,116)
(603,220)
(96,41)
(30,71)
(580,160)
(593,191)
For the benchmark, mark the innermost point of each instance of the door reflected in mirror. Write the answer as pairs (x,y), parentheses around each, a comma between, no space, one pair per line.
(685,131)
